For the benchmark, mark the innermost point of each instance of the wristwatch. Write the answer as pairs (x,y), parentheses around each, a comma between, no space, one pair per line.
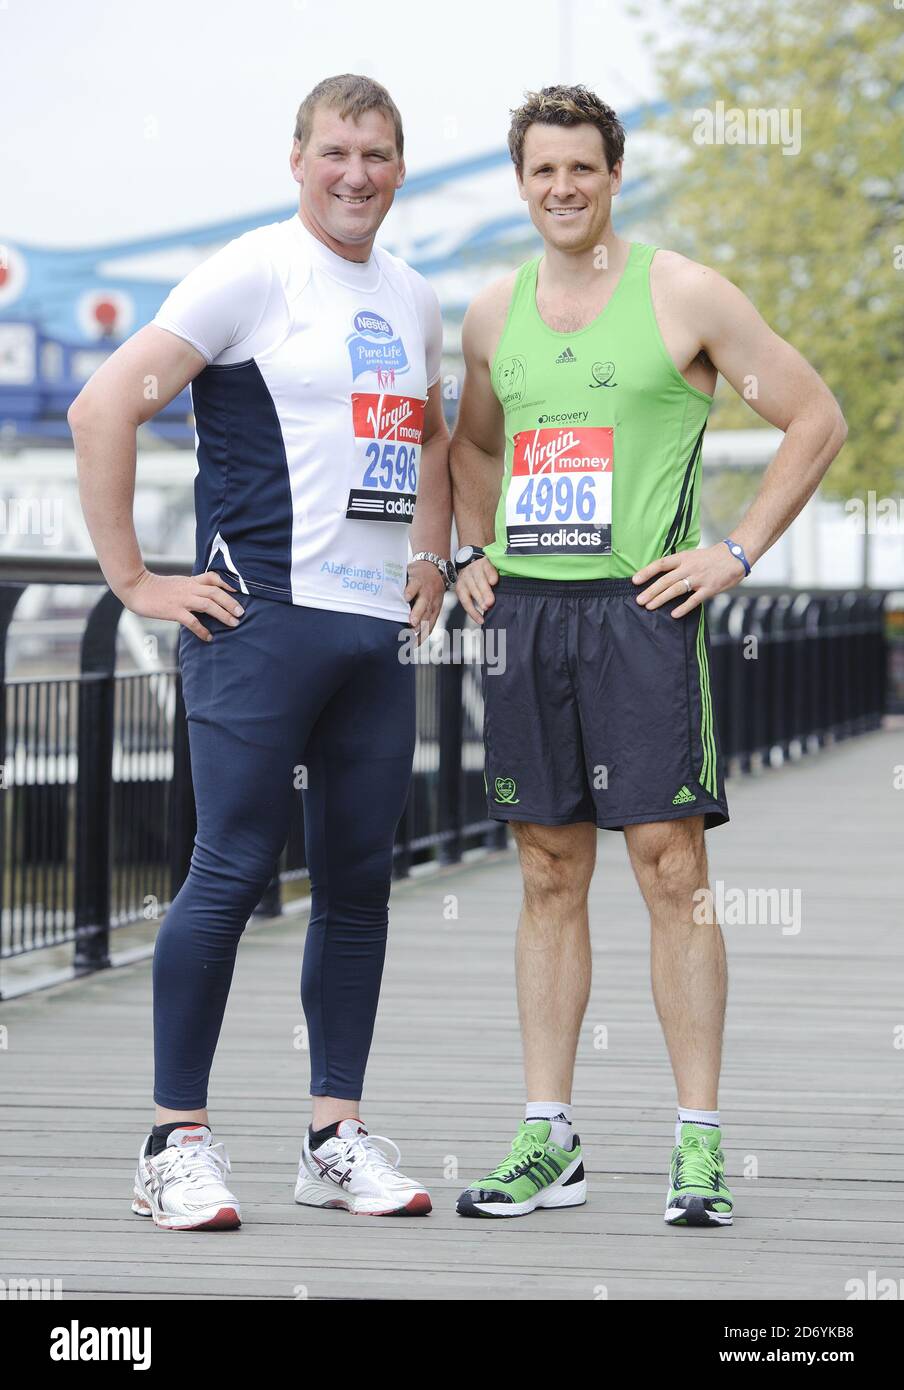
(445,567)
(465,555)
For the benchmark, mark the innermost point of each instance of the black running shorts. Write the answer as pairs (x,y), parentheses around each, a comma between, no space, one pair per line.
(596,709)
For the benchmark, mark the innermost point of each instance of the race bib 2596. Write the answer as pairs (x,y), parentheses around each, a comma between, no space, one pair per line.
(388,435)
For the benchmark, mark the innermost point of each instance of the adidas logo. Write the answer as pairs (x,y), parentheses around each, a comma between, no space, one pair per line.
(566,356)
(683,798)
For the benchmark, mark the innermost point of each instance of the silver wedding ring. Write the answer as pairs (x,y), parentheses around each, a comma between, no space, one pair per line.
(688,585)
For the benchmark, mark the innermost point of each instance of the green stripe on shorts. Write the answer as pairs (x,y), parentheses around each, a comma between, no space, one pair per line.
(707,776)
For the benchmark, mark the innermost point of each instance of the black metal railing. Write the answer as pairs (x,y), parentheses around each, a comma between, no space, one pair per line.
(96,808)
(793,672)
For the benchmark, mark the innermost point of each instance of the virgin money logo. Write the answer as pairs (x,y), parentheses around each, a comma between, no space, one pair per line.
(380,416)
(587,450)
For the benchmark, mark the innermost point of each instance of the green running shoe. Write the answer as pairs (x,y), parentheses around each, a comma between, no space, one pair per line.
(536,1173)
(698,1195)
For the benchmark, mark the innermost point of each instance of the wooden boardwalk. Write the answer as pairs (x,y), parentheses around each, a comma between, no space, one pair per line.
(811,1101)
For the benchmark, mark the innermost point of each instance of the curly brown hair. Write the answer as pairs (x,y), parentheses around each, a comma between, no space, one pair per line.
(566,106)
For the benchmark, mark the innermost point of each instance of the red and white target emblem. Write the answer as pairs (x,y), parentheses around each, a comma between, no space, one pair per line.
(105,313)
(13,274)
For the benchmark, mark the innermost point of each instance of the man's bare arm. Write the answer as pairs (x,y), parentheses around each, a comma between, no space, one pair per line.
(478,440)
(130,387)
(431,526)
(784,389)
(788,393)
(477,452)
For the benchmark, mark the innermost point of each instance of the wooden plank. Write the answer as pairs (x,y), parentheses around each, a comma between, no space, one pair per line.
(812,1089)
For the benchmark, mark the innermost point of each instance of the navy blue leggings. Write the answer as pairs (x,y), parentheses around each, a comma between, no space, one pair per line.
(290,694)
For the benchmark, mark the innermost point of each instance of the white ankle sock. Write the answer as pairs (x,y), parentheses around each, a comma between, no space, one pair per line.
(708,1119)
(558,1112)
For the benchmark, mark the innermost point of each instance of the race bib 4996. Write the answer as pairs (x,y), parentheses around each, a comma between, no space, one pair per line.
(388,435)
(559,499)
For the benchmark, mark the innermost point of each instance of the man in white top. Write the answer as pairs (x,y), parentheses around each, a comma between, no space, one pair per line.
(314,359)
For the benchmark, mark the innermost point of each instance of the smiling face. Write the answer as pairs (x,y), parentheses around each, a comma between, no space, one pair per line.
(348,172)
(567,185)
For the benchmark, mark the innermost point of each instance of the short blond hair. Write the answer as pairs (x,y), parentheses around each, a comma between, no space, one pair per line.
(566,106)
(351,96)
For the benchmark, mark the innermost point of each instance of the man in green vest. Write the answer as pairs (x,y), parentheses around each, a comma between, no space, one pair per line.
(590,373)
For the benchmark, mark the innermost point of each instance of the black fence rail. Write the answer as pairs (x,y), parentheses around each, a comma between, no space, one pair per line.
(96,806)
(793,672)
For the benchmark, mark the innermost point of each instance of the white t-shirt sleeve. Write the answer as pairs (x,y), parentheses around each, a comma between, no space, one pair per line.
(431,326)
(221,302)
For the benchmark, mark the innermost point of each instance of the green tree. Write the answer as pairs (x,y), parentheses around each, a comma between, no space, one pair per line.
(815,238)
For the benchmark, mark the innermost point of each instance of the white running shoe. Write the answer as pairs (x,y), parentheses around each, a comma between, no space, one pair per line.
(182,1187)
(360,1173)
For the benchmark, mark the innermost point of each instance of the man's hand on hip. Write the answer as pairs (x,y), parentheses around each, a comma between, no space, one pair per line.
(708,571)
(178,597)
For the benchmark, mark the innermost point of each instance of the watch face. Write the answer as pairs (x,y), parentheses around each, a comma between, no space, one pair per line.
(463,553)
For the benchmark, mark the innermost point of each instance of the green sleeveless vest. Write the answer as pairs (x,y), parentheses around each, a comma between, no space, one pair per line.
(603,437)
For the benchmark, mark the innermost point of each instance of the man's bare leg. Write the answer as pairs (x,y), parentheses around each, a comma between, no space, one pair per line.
(689,973)
(552,955)
(552,964)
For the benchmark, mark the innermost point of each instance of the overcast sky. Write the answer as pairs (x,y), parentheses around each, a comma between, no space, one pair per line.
(121,119)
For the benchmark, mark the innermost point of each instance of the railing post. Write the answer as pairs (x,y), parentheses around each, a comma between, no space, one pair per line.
(833,673)
(755,683)
(797,680)
(878,660)
(497,838)
(779,632)
(9,597)
(94,789)
(816,676)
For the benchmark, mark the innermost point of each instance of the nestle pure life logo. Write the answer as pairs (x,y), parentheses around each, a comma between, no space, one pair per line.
(373,347)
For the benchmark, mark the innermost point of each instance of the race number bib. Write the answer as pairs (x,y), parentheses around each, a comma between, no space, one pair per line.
(559,500)
(388,434)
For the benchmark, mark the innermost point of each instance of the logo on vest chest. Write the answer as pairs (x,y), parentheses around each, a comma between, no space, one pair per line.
(374,346)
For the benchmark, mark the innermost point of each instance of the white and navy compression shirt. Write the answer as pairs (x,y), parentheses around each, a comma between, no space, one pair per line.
(308,417)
